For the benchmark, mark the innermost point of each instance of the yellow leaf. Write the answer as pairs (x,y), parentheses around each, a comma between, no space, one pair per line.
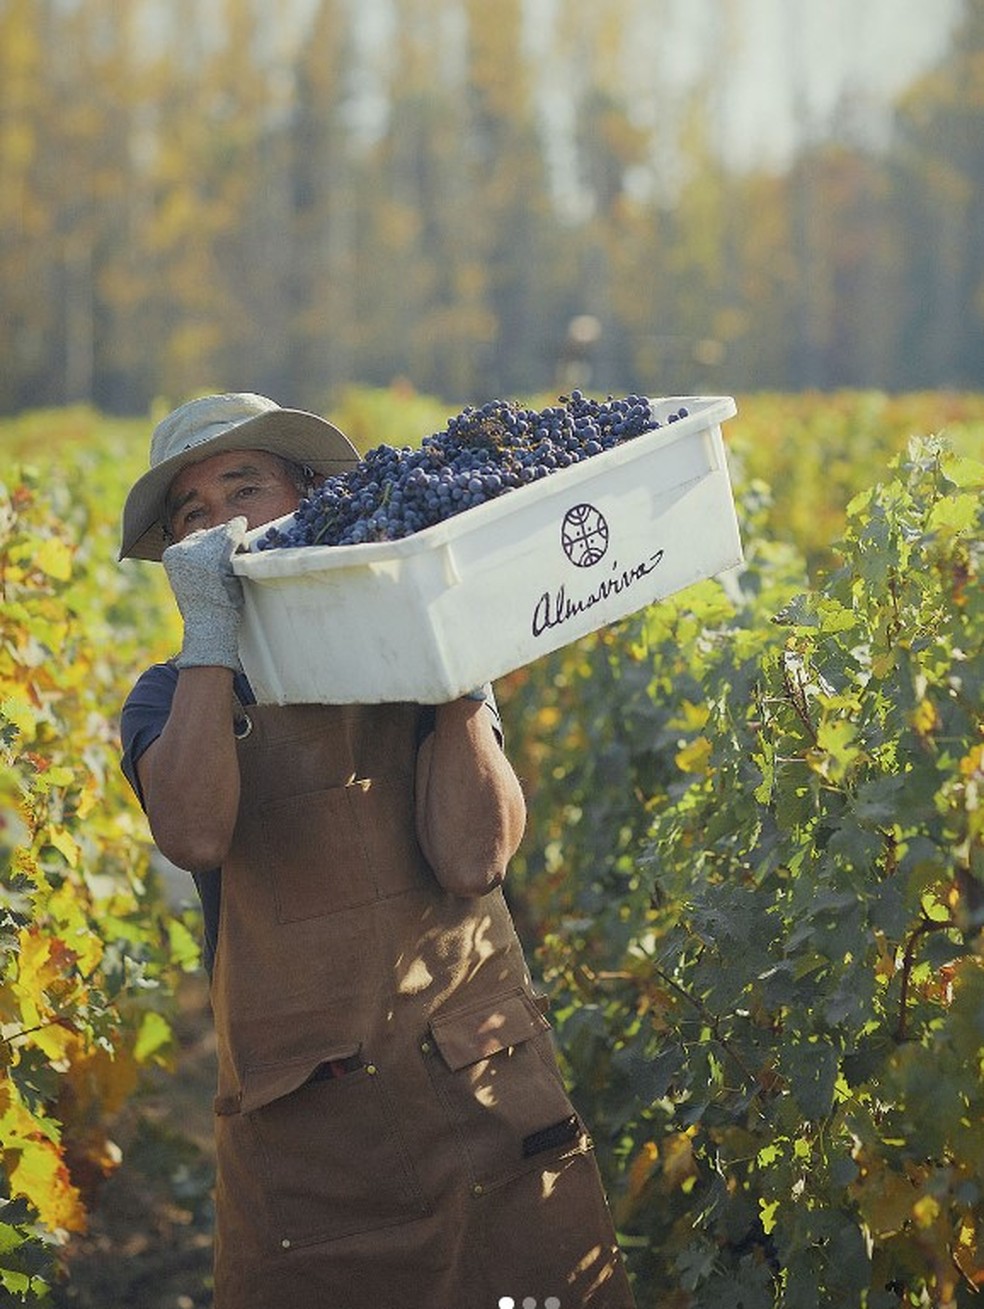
(24,862)
(37,964)
(678,1162)
(962,471)
(21,714)
(695,757)
(836,750)
(67,909)
(102,1081)
(690,717)
(153,1037)
(924,717)
(640,1171)
(90,798)
(66,845)
(926,1210)
(54,557)
(39,1174)
(55,1040)
(184,946)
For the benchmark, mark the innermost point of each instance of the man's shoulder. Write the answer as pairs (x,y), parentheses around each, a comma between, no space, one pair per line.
(144,715)
(154,689)
(154,685)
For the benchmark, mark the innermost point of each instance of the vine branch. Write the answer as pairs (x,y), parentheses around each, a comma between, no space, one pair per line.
(712,1020)
(796,697)
(908,961)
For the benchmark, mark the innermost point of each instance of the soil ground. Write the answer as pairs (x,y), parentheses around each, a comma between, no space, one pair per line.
(149,1244)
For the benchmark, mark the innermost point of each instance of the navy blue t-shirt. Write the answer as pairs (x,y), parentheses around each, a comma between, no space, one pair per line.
(143,718)
(144,714)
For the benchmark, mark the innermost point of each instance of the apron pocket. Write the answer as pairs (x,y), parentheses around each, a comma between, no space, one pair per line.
(492,1066)
(331,1160)
(342,847)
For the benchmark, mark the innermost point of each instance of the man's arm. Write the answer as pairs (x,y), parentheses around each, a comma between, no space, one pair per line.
(470,808)
(189,776)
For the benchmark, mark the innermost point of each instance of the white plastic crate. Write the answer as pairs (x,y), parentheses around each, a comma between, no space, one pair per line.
(432,615)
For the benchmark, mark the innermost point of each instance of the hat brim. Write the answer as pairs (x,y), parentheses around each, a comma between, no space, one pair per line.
(292,433)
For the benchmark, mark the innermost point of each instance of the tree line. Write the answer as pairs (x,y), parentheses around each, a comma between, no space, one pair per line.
(191,203)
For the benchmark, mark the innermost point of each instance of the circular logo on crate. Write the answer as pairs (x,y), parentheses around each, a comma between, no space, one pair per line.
(584,535)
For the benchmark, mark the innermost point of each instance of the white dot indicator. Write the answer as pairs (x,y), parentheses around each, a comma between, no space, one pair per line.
(507,1302)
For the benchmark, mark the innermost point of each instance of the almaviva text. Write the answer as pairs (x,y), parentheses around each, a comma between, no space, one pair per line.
(553,610)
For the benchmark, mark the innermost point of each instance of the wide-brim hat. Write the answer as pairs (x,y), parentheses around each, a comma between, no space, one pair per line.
(208,426)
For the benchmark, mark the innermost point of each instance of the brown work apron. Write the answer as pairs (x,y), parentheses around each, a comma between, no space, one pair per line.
(392,1130)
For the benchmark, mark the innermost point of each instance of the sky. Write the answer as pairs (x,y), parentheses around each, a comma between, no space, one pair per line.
(796,59)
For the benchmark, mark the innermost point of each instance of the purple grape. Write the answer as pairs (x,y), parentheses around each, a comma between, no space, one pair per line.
(480,454)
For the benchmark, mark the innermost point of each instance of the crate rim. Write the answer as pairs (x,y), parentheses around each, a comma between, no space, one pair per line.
(275,564)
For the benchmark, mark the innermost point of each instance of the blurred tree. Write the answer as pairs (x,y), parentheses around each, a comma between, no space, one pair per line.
(24,216)
(322,230)
(216,221)
(422,268)
(940,161)
(508,199)
(752,341)
(615,237)
(203,195)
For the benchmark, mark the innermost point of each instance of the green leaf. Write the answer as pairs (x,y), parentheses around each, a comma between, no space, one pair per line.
(153,1037)
(878,802)
(696,1263)
(749,1285)
(959,514)
(811,1069)
(963,472)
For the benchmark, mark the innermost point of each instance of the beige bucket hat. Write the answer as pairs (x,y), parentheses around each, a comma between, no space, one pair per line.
(207,426)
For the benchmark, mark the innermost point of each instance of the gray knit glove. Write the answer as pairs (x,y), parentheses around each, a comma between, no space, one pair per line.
(209,595)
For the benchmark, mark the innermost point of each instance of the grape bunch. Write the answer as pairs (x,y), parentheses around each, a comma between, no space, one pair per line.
(481,454)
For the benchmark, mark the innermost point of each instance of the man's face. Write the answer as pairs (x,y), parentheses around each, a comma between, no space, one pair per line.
(248,482)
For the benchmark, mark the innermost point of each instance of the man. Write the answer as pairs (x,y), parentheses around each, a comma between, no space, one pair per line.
(391,1128)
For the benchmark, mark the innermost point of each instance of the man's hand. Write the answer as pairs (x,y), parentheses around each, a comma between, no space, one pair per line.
(208,593)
